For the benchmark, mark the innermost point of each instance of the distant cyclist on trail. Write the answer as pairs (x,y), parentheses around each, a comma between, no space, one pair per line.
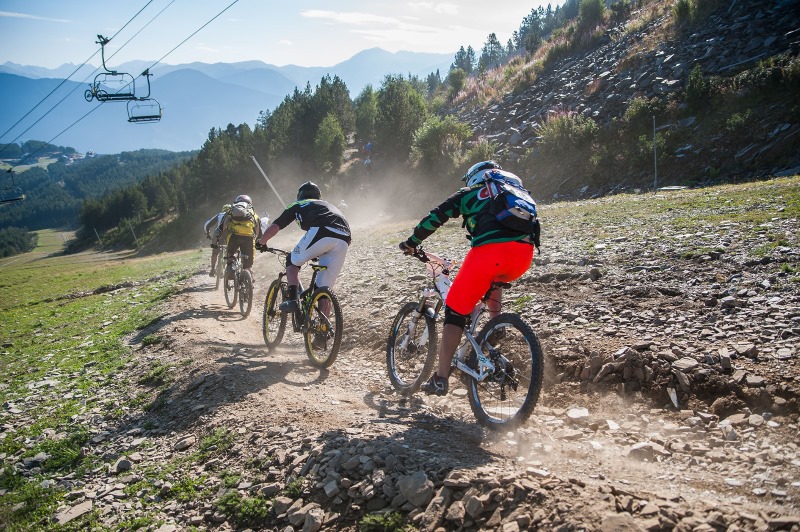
(213,229)
(327,237)
(497,254)
(243,227)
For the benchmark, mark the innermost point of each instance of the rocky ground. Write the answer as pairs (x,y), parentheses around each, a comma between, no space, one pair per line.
(670,400)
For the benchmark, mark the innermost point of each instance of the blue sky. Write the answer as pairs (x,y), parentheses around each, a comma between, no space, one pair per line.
(49,33)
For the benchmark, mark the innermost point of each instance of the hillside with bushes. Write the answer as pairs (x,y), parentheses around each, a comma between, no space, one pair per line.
(584,100)
(713,84)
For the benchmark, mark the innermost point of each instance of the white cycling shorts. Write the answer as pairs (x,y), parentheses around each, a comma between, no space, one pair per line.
(330,250)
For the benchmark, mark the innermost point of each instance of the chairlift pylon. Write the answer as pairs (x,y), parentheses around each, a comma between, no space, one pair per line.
(12,192)
(110,86)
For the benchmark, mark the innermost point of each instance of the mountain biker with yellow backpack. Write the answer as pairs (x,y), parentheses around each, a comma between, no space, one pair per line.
(242,226)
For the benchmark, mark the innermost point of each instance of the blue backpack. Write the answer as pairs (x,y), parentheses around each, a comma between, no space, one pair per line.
(512,204)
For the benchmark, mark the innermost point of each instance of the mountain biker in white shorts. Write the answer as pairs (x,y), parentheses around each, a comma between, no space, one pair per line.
(327,238)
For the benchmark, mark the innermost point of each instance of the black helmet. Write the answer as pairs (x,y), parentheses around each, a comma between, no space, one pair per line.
(308,190)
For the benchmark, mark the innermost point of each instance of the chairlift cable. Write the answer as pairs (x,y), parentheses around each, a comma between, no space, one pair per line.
(65,130)
(43,99)
(84,79)
(190,36)
(140,75)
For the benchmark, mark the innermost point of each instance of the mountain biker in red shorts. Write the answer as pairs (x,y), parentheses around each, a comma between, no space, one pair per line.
(497,254)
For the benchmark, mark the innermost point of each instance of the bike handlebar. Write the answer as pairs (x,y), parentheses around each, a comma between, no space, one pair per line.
(420,255)
(276,251)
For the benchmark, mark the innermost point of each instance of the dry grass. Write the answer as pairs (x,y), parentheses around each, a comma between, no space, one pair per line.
(521,72)
(650,12)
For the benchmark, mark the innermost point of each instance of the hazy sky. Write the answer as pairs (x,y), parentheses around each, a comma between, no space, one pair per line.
(49,33)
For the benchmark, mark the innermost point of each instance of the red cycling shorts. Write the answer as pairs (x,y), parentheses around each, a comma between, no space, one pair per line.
(501,262)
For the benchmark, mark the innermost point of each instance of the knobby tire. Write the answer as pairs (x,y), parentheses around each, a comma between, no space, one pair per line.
(246,295)
(273,321)
(321,327)
(220,269)
(520,346)
(231,290)
(410,360)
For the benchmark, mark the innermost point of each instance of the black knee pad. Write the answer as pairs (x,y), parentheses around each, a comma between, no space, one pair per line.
(451,317)
(289,261)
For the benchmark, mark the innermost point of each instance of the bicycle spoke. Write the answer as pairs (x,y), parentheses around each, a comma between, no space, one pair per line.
(323,331)
(273,321)
(411,349)
(506,397)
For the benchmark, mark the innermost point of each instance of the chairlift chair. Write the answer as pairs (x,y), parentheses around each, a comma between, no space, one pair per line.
(144,110)
(12,192)
(110,86)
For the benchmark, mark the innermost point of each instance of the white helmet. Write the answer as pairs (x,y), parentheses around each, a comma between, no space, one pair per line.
(475,173)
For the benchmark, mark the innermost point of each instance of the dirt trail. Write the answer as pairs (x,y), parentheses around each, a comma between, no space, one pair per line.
(595,455)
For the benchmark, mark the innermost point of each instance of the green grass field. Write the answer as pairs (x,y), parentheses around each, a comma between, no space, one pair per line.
(41,162)
(62,336)
(64,320)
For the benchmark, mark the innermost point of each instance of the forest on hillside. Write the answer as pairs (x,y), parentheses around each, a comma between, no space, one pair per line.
(310,132)
(55,196)
(419,142)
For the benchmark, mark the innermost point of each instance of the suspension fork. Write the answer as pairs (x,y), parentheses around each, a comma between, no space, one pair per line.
(412,324)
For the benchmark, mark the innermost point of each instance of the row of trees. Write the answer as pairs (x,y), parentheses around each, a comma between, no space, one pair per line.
(31,148)
(533,30)
(55,196)
(16,240)
(306,135)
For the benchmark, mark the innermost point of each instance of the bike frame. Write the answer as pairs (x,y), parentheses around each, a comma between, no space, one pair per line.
(439,269)
(302,295)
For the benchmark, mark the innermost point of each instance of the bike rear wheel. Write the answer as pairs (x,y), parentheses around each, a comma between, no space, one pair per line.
(323,330)
(273,321)
(411,349)
(231,291)
(245,293)
(506,398)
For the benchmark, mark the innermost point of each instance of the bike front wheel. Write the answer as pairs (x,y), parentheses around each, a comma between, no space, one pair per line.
(220,269)
(411,349)
(231,292)
(506,398)
(245,293)
(273,322)
(323,330)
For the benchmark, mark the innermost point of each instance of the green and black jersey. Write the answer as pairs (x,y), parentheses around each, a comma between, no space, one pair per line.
(310,213)
(474,204)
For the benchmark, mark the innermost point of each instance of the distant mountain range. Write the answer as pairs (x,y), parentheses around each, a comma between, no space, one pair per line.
(195,97)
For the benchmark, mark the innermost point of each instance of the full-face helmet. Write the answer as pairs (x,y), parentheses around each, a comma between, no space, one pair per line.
(243,197)
(475,173)
(308,190)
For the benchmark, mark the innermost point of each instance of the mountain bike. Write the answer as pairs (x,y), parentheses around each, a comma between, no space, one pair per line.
(238,284)
(319,319)
(502,366)
(219,267)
